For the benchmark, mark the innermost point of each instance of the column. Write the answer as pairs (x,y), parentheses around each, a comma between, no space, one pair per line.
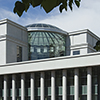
(42,85)
(52,85)
(89,83)
(22,87)
(76,84)
(64,80)
(5,87)
(32,86)
(13,86)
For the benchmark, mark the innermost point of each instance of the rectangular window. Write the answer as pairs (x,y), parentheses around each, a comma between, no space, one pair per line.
(95,89)
(60,90)
(19,91)
(32,49)
(45,49)
(29,92)
(84,89)
(38,50)
(10,92)
(76,52)
(49,91)
(19,53)
(71,90)
(38,89)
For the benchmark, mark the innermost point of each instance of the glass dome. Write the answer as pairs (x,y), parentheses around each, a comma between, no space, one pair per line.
(45,44)
(45,27)
(41,25)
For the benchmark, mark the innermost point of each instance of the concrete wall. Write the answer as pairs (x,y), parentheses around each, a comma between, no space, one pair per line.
(2,52)
(3,29)
(17,32)
(77,39)
(83,41)
(3,33)
(16,36)
(11,36)
(11,55)
(91,40)
(78,42)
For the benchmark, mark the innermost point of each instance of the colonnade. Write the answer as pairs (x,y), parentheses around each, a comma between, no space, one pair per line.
(42,78)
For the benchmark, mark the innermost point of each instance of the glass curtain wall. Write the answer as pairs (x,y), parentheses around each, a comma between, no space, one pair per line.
(1,87)
(83,84)
(47,85)
(94,83)
(46,45)
(70,84)
(9,87)
(58,83)
(37,86)
(27,86)
(18,86)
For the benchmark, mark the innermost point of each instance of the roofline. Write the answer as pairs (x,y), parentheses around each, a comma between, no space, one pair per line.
(65,62)
(13,23)
(30,29)
(84,31)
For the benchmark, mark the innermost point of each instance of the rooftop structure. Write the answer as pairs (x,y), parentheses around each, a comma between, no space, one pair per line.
(43,62)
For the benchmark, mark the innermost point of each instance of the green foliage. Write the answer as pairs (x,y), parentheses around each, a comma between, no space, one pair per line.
(97,46)
(48,5)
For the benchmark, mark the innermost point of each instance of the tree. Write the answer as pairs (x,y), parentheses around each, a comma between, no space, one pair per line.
(97,46)
(48,5)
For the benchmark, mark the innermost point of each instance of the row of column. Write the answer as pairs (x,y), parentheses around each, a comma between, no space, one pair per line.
(64,82)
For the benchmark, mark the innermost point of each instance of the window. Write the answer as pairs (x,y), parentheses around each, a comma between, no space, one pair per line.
(19,53)
(38,91)
(38,50)
(60,90)
(49,91)
(95,89)
(71,90)
(76,52)
(84,89)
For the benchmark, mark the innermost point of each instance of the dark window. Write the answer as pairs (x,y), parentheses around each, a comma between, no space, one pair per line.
(76,52)
(19,53)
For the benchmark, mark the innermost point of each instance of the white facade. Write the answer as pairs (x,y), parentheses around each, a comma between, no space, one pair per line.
(11,36)
(71,77)
(83,41)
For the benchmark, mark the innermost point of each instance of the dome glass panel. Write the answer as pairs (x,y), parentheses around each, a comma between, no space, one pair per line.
(44,44)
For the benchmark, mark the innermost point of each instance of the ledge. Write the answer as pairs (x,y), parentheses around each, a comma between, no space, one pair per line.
(92,59)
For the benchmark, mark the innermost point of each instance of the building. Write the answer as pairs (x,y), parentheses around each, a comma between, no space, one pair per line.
(43,62)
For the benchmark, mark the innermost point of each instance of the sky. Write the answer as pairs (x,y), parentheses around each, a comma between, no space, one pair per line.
(85,17)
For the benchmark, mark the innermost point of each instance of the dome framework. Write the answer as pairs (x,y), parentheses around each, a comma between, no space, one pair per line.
(45,44)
